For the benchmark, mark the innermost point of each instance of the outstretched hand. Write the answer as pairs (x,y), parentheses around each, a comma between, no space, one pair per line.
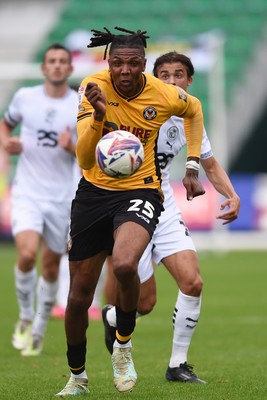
(232,211)
(192,184)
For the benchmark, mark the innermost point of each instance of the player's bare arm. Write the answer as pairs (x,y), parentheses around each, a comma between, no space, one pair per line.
(12,145)
(221,182)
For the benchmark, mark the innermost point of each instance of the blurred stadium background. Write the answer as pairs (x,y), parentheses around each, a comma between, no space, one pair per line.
(227,42)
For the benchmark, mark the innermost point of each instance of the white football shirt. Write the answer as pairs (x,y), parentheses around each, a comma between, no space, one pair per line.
(44,170)
(170,141)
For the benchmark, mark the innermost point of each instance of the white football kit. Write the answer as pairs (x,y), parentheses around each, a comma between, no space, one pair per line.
(171,235)
(42,188)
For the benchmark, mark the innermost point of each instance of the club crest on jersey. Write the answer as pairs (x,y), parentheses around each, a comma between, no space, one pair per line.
(150,113)
(182,94)
(172,133)
(81,93)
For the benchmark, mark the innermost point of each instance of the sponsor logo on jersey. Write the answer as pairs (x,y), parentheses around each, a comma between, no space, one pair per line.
(81,92)
(143,218)
(141,133)
(113,103)
(150,113)
(50,115)
(147,180)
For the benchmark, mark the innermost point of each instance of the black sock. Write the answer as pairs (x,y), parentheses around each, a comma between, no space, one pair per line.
(125,325)
(76,357)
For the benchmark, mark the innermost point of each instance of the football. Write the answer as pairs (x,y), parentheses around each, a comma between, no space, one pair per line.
(119,154)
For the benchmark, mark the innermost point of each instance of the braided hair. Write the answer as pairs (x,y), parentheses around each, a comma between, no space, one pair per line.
(133,39)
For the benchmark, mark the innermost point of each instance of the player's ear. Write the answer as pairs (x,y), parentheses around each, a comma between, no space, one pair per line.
(43,69)
(189,80)
(70,70)
(109,65)
(144,65)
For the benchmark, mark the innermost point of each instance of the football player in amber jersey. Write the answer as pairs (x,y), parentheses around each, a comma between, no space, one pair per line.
(107,214)
(133,114)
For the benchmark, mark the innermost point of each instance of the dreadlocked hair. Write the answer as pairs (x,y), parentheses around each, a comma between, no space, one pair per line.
(133,39)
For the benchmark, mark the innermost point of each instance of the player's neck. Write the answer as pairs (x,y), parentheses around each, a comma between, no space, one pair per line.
(135,92)
(55,91)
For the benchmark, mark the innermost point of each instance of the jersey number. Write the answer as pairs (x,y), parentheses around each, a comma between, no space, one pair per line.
(163,159)
(146,208)
(47,139)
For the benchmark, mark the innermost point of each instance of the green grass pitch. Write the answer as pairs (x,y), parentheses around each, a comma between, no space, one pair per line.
(228,350)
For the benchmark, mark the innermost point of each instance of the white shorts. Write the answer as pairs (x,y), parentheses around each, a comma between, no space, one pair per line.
(50,219)
(171,236)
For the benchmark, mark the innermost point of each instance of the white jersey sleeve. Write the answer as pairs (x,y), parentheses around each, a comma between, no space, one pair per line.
(13,115)
(171,140)
(44,169)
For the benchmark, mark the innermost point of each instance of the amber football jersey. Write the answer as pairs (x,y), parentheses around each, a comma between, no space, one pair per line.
(141,115)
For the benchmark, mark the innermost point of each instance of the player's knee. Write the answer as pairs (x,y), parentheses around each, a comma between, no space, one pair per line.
(146,305)
(78,301)
(198,286)
(27,259)
(50,271)
(193,287)
(124,269)
(50,275)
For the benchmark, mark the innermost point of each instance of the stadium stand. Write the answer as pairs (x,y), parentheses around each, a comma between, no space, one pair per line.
(241,21)
(19,42)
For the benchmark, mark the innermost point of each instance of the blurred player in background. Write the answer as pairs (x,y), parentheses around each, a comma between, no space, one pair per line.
(171,243)
(76,42)
(41,190)
(58,310)
(119,215)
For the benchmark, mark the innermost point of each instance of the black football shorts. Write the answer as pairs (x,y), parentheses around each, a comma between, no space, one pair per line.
(96,213)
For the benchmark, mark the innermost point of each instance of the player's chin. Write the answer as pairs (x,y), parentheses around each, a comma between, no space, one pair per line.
(126,86)
(58,81)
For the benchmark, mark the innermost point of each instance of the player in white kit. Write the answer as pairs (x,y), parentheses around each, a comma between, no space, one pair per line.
(171,243)
(41,190)
(58,310)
